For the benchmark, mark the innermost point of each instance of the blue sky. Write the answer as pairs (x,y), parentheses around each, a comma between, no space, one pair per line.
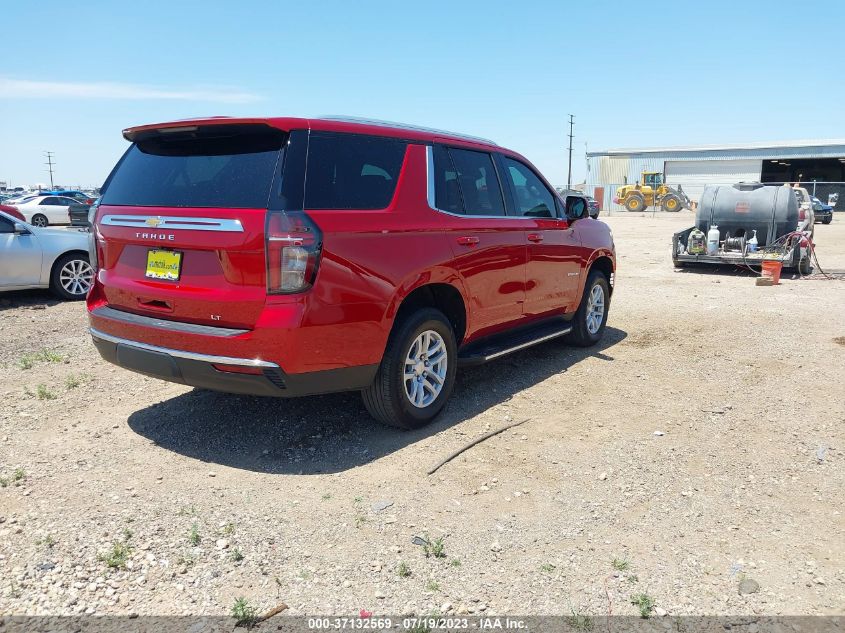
(634,74)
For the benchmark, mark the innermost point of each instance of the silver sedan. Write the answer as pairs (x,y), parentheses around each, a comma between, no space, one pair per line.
(32,257)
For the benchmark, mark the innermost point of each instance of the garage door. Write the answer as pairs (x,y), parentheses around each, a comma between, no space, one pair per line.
(692,175)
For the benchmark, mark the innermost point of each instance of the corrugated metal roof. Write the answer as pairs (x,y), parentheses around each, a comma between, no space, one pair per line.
(727,147)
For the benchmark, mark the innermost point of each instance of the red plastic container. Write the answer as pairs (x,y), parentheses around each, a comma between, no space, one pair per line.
(772,269)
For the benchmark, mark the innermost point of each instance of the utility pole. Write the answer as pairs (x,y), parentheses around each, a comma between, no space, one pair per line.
(50,164)
(569,177)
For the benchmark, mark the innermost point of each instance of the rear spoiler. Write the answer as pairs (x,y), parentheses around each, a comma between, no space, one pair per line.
(187,126)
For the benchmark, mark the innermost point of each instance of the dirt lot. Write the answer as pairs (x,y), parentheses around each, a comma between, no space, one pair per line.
(207,497)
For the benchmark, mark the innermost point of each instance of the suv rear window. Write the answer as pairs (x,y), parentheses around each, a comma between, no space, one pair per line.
(351,171)
(215,166)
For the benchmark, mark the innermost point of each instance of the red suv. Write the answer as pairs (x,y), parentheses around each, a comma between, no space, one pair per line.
(287,257)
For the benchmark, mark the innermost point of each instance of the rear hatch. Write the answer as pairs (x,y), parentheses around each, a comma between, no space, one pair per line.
(181,223)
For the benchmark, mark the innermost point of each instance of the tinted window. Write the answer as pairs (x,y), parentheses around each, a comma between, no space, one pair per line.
(349,171)
(49,201)
(6,226)
(479,184)
(447,191)
(215,166)
(532,197)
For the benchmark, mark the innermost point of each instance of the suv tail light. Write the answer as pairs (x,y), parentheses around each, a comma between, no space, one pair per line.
(802,214)
(293,246)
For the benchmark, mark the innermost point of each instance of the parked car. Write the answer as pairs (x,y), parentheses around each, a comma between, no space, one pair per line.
(32,257)
(5,208)
(20,199)
(822,212)
(405,252)
(45,210)
(79,196)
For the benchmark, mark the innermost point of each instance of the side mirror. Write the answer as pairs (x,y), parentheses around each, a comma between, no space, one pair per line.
(576,208)
(21,229)
(594,213)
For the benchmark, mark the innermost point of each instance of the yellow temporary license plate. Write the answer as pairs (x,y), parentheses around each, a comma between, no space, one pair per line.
(163,265)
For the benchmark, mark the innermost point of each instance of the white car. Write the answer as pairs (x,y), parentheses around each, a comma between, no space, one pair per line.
(45,210)
(32,257)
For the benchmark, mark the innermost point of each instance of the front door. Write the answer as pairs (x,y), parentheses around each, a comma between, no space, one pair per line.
(20,256)
(553,269)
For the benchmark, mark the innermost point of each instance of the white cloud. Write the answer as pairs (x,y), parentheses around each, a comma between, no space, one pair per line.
(33,89)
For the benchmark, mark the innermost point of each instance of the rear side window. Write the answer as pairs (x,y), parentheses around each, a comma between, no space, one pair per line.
(215,166)
(447,191)
(350,171)
(465,182)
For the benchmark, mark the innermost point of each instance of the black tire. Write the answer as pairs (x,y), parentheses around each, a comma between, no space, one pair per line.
(827,221)
(581,334)
(56,285)
(672,204)
(635,203)
(39,219)
(386,399)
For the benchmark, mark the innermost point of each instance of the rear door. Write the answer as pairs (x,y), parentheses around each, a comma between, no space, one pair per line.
(489,246)
(553,266)
(182,220)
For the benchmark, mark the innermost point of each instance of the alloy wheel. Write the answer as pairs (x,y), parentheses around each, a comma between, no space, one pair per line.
(76,276)
(425,369)
(595,309)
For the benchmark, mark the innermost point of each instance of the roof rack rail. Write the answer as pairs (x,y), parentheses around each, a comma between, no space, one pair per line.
(405,126)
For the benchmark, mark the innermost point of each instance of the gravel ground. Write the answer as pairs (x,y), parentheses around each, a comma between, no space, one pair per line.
(699,446)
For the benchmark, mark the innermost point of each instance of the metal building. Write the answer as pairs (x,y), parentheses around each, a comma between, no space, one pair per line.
(818,165)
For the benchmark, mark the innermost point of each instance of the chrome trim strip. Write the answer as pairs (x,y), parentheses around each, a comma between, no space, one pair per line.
(429,170)
(163,324)
(204,358)
(405,126)
(528,344)
(170,223)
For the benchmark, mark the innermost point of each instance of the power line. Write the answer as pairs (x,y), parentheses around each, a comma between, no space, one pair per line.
(50,164)
(569,176)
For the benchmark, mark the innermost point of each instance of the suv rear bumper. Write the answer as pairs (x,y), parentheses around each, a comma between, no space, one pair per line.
(198,370)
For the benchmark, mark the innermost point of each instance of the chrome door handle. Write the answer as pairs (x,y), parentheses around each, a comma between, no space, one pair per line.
(535,237)
(468,240)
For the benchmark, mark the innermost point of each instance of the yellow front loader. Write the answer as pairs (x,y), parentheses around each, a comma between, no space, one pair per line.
(652,191)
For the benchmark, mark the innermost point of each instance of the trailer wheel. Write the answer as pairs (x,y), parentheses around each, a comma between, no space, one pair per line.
(635,203)
(672,203)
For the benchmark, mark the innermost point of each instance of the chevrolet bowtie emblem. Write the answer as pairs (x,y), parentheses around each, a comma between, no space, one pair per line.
(154,222)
